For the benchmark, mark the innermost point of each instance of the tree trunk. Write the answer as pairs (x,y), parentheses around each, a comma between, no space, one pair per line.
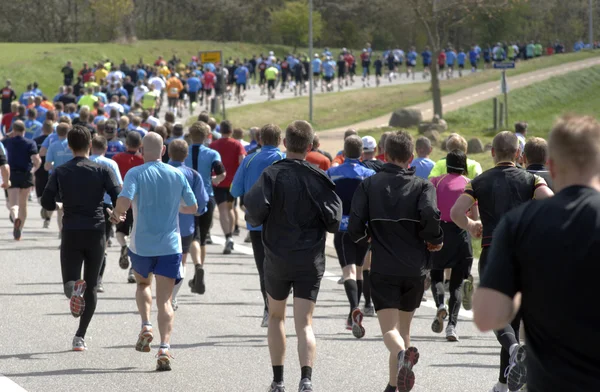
(436,91)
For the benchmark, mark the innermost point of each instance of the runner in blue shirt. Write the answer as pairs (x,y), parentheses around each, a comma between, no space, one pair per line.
(411,62)
(316,69)
(178,151)
(194,85)
(426,56)
(473,57)
(205,161)
(158,193)
(347,177)
(33,128)
(141,74)
(462,57)
(247,174)
(450,60)
(329,73)
(114,145)
(24,98)
(241,78)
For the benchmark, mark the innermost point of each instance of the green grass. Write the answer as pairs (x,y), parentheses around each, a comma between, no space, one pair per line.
(25,63)
(340,109)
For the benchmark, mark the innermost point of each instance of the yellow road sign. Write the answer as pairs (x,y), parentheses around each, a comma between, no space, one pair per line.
(211,57)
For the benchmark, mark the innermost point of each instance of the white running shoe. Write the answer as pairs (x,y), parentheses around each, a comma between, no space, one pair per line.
(499,387)
(79,344)
(451,334)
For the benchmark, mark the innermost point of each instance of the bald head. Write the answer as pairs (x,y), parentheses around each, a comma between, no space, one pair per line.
(505,147)
(153,147)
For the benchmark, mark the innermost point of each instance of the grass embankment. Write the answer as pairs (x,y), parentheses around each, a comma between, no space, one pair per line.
(539,105)
(340,109)
(25,63)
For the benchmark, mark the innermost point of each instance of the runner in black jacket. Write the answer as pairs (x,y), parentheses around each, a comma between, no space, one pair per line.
(404,225)
(297,206)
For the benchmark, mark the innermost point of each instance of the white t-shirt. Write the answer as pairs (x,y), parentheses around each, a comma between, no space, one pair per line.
(114,105)
(116,76)
(158,83)
(138,93)
(155,122)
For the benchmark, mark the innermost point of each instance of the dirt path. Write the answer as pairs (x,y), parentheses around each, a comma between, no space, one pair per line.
(331,140)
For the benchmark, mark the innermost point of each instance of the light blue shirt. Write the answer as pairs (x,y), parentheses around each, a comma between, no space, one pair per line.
(53,137)
(316,66)
(101,160)
(186,221)
(205,159)
(156,190)
(423,167)
(33,129)
(59,153)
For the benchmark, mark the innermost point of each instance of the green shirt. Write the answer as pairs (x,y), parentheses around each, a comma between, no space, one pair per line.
(88,100)
(271,73)
(440,168)
(538,50)
(149,100)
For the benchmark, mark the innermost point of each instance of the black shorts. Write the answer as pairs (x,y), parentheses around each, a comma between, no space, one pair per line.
(186,242)
(328,79)
(173,101)
(347,251)
(461,66)
(378,73)
(299,79)
(457,251)
(193,96)
(126,226)
(41,179)
(223,195)
(473,64)
(442,67)
(202,223)
(391,66)
(240,86)
(396,292)
(488,61)
(208,91)
(304,288)
(341,74)
(271,84)
(21,180)
(263,79)
(182,94)
(316,75)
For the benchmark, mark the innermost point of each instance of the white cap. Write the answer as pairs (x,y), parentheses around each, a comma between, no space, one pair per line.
(271,53)
(369,144)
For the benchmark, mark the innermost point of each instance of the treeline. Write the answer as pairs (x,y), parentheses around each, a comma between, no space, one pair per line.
(338,23)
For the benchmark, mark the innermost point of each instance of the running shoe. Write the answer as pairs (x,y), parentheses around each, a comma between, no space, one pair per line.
(124,258)
(276,387)
(77,303)
(498,387)
(46,223)
(247,240)
(199,286)
(163,361)
(228,246)
(516,373)
(100,287)
(192,284)
(305,385)
(438,323)
(341,280)
(144,339)
(406,376)
(467,293)
(130,276)
(79,344)
(174,304)
(17,229)
(357,328)
(265,319)
(451,334)
(369,311)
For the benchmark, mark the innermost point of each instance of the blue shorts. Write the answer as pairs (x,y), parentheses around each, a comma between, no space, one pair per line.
(167,266)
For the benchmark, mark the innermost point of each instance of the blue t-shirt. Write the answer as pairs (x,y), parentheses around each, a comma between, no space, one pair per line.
(473,56)
(97,119)
(203,159)
(141,74)
(450,57)
(156,190)
(114,147)
(50,139)
(59,153)
(194,84)
(423,167)
(24,99)
(241,75)
(347,177)
(99,159)
(426,57)
(461,58)
(250,170)
(329,68)
(186,221)
(33,129)
(412,58)
(19,151)
(41,113)
(316,66)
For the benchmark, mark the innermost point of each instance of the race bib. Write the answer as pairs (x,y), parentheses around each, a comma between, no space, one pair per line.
(174,91)
(413,62)
(344,223)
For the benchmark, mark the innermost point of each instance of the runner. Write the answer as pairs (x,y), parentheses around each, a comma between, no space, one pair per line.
(391,63)
(232,153)
(195,91)
(441,63)
(378,70)
(178,151)
(7,95)
(497,191)
(205,161)
(81,185)
(155,247)
(473,58)
(365,58)
(328,74)
(456,142)
(99,148)
(208,81)
(4,168)
(347,177)
(426,56)
(461,58)
(368,157)
(114,145)
(7,118)
(529,262)
(262,82)
(404,228)
(457,252)
(535,158)
(298,72)
(339,158)
(174,87)
(247,175)
(41,174)
(126,161)
(422,163)
(341,71)
(450,61)
(304,206)
(271,74)
(316,70)
(317,157)
(241,79)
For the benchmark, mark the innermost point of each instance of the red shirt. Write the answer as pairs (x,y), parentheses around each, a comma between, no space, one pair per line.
(230,150)
(442,59)
(349,60)
(381,157)
(126,160)
(86,74)
(7,121)
(319,160)
(209,80)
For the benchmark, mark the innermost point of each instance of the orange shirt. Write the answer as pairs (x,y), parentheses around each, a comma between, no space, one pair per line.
(319,160)
(174,87)
(338,160)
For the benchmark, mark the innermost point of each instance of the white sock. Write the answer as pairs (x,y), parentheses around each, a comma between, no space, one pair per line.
(178,285)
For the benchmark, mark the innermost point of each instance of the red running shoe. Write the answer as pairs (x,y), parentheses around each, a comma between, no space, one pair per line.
(406,377)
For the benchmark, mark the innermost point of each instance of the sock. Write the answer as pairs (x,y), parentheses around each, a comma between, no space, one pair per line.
(237,227)
(178,285)
(352,293)
(390,388)
(278,374)
(164,346)
(306,372)
(359,285)
(146,324)
(228,236)
(367,287)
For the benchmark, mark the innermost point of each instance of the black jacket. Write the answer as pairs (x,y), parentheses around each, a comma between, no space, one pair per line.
(297,206)
(401,212)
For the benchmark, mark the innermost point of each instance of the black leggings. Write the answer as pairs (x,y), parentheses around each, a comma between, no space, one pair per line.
(437,289)
(259,257)
(83,247)
(507,336)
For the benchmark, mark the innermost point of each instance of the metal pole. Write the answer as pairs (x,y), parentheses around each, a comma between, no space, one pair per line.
(224,86)
(495,111)
(310,59)
(591,26)
(506,98)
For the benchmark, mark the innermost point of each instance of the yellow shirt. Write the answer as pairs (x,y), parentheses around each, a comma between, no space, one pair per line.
(100,74)
(149,100)
(88,100)
(90,85)
(164,71)
(271,73)
(440,168)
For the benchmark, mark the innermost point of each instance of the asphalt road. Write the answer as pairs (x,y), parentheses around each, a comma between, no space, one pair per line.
(217,342)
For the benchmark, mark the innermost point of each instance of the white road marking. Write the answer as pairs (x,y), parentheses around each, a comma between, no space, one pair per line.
(7,385)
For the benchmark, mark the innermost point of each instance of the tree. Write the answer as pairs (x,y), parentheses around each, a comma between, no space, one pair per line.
(439,17)
(291,23)
(115,16)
